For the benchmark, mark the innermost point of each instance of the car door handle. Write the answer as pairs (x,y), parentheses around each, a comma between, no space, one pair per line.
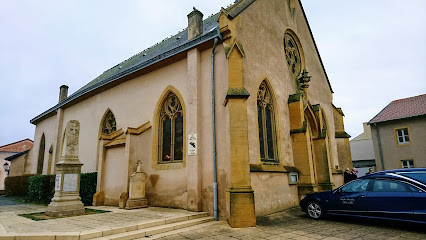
(361,196)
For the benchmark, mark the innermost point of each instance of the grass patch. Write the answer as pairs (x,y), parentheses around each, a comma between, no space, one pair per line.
(39,216)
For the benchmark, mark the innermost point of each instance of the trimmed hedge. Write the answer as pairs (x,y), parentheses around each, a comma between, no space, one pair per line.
(16,185)
(41,188)
(88,187)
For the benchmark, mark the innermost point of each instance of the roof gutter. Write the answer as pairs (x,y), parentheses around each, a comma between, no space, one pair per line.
(182,48)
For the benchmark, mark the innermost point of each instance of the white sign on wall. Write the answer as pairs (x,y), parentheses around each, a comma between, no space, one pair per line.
(192,144)
(58,182)
(70,182)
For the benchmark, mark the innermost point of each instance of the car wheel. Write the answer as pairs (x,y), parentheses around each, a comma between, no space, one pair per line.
(315,210)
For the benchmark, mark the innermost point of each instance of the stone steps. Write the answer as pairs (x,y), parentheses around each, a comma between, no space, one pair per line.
(153,228)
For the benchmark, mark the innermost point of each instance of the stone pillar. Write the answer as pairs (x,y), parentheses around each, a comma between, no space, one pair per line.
(342,140)
(137,197)
(57,148)
(193,161)
(240,195)
(67,201)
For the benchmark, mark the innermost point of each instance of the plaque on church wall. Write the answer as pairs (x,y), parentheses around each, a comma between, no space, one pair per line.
(58,182)
(192,144)
(70,182)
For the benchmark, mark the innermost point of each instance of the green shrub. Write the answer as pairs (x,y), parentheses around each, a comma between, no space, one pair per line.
(16,185)
(88,187)
(41,188)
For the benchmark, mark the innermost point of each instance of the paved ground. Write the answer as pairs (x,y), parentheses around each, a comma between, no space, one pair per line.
(290,224)
(293,224)
(12,224)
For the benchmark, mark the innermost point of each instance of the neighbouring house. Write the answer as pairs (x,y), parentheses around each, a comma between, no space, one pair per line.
(362,151)
(225,106)
(399,134)
(9,150)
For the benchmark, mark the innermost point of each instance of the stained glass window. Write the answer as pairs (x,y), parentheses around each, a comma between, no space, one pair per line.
(266,121)
(171,130)
(292,55)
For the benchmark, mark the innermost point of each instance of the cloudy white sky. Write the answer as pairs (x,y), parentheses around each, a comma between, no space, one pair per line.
(373,50)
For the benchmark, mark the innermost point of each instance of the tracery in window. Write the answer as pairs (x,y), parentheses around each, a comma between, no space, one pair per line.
(109,125)
(171,130)
(292,55)
(266,121)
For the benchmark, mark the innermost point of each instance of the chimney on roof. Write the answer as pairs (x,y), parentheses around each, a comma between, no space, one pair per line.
(63,93)
(195,24)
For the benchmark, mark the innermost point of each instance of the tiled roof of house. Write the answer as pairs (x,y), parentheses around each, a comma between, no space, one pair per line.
(18,146)
(402,108)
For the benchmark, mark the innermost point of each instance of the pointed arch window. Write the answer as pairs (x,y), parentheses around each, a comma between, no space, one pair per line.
(41,151)
(266,124)
(171,130)
(109,124)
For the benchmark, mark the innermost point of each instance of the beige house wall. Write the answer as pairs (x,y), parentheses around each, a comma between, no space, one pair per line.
(393,152)
(3,173)
(48,128)
(17,165)
(134,103)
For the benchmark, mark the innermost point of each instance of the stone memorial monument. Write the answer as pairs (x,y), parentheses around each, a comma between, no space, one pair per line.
(137,197)
(67,201)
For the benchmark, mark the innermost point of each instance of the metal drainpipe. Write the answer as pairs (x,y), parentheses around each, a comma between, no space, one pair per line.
(380,147)
(214,138)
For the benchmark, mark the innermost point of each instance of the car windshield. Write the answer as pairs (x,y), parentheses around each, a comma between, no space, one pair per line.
(419,176)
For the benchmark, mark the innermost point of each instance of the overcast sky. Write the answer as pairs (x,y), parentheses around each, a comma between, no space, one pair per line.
(373,50)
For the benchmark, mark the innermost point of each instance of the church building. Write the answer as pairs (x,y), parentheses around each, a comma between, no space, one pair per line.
(233,116)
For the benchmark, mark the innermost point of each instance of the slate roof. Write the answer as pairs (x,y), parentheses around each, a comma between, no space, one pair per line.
(165,49)
(402,108)
(10,158)
(160,51)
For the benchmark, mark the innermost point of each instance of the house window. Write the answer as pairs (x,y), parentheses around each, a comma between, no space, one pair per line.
(109,125)
(402,136)
(407,163)
(266,121)
(171,131)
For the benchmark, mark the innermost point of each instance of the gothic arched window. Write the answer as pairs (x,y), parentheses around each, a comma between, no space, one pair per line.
(266,121)
(40,161)
(108,124)
(170,135)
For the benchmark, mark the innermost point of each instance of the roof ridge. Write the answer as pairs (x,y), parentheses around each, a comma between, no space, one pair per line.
(408,97)
(17,142)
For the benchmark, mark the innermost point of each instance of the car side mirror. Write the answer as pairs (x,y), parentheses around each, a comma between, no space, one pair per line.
(340,191)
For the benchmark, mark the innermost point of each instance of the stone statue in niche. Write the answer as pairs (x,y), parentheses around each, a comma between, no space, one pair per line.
(109,125)
(137,197)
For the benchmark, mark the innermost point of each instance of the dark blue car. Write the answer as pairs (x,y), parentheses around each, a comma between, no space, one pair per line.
(394,194)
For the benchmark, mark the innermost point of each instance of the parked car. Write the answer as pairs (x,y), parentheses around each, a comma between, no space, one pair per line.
(395,194)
